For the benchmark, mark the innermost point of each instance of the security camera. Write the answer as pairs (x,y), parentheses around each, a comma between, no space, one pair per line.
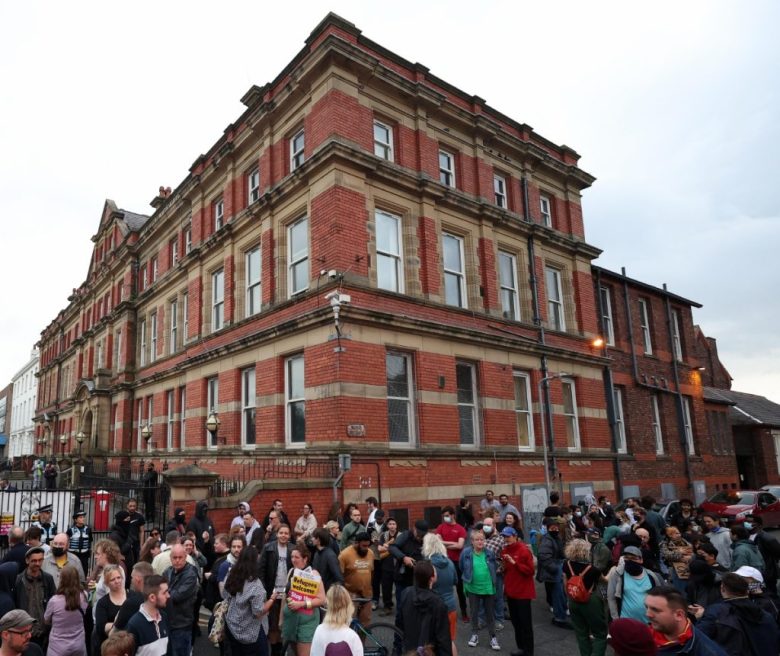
(333,274)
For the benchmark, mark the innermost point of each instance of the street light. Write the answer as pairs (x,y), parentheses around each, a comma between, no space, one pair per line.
(544,380)
(80,437)
(146,433)
(63,441)
(212,423)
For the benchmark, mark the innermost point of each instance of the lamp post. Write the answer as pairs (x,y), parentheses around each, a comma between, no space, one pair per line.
(80,437)
(146,433)
(544,407)
(63,442)
(212,424)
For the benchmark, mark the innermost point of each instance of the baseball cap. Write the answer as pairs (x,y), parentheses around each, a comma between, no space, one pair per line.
(632,551)
(13,619)
(421,525)
(747,572)
(509,532)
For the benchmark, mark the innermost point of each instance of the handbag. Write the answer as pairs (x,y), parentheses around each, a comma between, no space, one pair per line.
(217,633)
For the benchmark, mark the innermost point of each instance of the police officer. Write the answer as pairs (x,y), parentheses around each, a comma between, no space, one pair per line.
(47,526)
(80,539)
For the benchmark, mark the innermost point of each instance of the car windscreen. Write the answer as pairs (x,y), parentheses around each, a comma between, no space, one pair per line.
(734,497)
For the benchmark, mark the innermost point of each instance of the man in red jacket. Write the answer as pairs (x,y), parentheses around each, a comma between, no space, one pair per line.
(519,589)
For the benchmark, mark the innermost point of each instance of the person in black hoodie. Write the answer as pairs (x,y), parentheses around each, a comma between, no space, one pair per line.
(737,624)
(423,617)
(203,529)
(120,533)
(703,587)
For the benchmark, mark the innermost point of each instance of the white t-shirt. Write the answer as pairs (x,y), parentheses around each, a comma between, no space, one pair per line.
(335,642)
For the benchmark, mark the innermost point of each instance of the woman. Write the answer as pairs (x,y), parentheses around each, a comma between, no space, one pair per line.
(333,528)
(65,614)
(106,553)
(306,523)
(423,618)
(246,603)
(513,521)
(478,570)
(677,552)
(108,607)
(192,550)
(346,517)
(622,527)
(335,513)
(150,548)
(275,563)
(587,617)
(444,581)
(299,616)
(334,629)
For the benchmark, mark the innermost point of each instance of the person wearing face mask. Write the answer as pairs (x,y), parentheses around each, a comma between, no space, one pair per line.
(59,557)
(494,543)
(453,536)
(769,547)
(703,587)
(550,570)
(744,552)
(719,537)
(628,584)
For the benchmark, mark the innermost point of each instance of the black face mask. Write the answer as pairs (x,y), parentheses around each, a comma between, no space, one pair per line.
(57,551)
(553,534)
(632,568)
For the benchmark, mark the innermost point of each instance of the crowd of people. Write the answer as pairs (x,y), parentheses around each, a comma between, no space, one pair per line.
(630,578)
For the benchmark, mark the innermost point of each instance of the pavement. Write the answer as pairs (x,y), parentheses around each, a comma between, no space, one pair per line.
(549,640)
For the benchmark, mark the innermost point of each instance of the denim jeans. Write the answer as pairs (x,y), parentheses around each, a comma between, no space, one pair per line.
(181,642)
(558,597)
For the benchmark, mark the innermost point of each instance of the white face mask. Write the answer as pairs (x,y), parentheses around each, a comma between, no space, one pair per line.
(487,529)
(447,519)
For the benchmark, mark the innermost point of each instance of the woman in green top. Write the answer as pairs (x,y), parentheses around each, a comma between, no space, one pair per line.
(478,570)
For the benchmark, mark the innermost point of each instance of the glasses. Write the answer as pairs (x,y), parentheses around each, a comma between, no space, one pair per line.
(21,632)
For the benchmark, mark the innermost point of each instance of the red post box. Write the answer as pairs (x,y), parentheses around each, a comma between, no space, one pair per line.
(102,510)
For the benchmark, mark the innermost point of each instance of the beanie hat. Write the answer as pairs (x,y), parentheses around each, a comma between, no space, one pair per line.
(631,638)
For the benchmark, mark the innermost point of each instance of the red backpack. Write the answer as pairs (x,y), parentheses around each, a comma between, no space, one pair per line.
(575,586)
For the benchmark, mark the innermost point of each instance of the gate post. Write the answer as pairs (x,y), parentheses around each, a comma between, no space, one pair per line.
(189,484)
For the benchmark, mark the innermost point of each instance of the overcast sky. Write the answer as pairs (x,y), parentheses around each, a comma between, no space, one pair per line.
(674,107)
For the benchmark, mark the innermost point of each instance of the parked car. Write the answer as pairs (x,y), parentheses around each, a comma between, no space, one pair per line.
(732,506)
(664,508)
(772,489)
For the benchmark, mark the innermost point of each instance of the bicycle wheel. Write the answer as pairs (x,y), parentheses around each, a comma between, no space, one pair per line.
(383,639)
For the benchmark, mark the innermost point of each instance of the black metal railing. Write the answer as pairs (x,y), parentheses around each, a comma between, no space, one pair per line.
(275,469)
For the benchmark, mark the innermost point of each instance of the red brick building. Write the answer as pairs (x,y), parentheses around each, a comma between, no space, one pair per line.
(448,237)
(668,441)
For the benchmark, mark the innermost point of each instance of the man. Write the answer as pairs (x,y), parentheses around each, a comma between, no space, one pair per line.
(631,506)
(769,547)
(744,552)
(149,626)
(137,523)
(372,506)
(16,628)
(50,475)
(357,566)
(135,595)
(653,518)
(182,591)
(212,591)
(150,484)
(600,555)
(59,557)
(325,560)
(684,516)
(33,589)
(518,563)
(48,527)
(453,536)
(251,525)
(719,538)
(237,544)
(18,549)
(238,520)
(120,535)
(6,486)
(203,529)
(550,571)
(673,632)
(276,507)
(488,502)
(628,584)
(407,550)
(554,509)
(350,530)
(177,522)
(737,624)
(162,560)
(272,526)
(505,507)
(494,543)
(80,539)
(606,511)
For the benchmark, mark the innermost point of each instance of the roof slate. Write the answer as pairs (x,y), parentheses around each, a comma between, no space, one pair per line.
(746,408)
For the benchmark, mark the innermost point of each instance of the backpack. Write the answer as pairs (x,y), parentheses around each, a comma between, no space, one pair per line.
(575,586)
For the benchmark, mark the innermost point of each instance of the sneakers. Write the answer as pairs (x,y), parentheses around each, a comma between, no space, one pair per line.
(473,640)
(465,618)
(494,644)
(374,605)
(499,626)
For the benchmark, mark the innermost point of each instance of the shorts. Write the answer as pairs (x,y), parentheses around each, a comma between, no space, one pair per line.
(299,627)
